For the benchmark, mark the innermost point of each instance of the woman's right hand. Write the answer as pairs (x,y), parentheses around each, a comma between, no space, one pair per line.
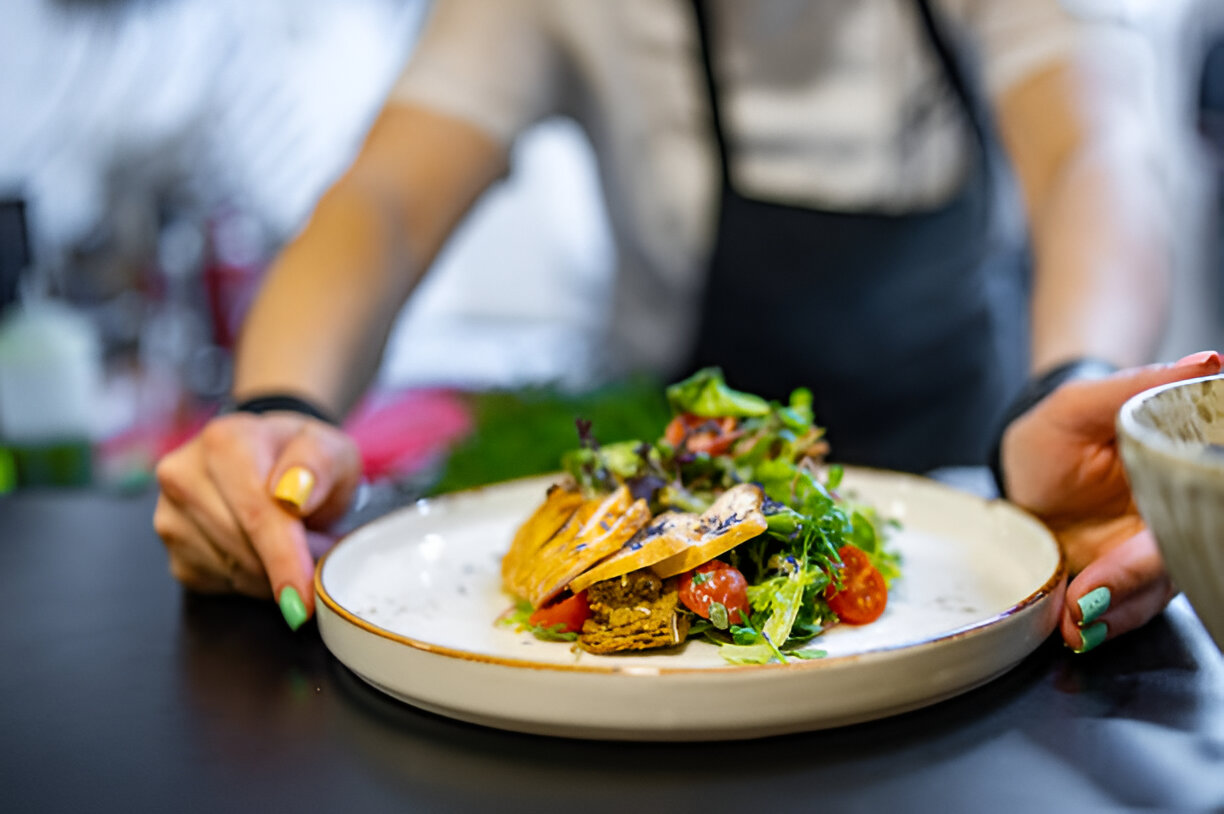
(239,500)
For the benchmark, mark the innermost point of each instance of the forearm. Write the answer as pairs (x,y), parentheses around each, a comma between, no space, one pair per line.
(1101,258)
(323,313)
(319,324)
(1083,150)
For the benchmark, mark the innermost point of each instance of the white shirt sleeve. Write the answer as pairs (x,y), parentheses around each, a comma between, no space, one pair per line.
(1016,38)
(492,63)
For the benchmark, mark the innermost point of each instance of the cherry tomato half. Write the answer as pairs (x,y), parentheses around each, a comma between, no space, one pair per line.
(715,581)
(713,436)
(864,593)
(570,613)
(677,428)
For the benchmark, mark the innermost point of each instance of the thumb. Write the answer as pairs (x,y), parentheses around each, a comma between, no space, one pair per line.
(316,473)
(1093,405)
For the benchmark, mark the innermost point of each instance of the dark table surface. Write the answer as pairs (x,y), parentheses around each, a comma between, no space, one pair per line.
(119,690)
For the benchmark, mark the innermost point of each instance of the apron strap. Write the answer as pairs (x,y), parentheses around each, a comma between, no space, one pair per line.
(954,69)
(700,12)
(932,27)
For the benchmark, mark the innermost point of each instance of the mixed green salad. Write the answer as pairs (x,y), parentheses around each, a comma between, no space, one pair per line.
(823,558)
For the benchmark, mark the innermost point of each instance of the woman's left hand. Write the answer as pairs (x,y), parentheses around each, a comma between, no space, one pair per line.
(1060,462)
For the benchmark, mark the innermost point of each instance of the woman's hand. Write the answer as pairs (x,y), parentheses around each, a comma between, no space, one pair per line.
(237,501)
(1061,462)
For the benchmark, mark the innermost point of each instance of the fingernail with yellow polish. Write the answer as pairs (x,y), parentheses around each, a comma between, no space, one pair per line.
(1093,604)
(292,607)
(1092,636)
(295,486)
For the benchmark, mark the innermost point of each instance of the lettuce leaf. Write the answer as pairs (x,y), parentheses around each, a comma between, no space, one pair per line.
(867,532)
(705,394)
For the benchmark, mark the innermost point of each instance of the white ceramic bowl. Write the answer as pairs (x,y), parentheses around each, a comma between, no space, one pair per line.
(1172,442)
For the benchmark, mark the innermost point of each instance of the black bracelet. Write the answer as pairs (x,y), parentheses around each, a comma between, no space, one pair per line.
(1036,390)
(284,402)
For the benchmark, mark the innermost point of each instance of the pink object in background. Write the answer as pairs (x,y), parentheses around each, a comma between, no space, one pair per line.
(398,433)
(401,433)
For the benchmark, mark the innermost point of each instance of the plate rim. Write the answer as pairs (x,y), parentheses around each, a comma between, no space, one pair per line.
(1050,586)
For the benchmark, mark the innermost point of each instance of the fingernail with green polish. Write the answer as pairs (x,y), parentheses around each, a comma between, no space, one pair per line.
(1093,604)
(292,607)
(1092,636)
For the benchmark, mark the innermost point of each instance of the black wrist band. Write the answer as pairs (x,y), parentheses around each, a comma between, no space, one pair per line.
(1036,390)
(273,402)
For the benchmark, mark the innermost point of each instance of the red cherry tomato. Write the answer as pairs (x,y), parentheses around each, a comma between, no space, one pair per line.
(864,593)
(676,429)
(570,613)
(713,436)
(715,581)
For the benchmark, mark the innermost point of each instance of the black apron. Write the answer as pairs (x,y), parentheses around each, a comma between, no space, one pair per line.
(910,330)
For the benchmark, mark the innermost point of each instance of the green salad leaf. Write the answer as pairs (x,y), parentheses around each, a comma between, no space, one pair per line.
(741,438)
(705,394)
(807,653)
(867,532)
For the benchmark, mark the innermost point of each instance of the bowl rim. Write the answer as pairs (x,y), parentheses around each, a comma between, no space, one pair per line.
(1153,440)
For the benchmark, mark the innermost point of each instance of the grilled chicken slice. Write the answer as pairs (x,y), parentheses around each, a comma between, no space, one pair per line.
(583,541)
(666,535)
(732,519)
(558,507)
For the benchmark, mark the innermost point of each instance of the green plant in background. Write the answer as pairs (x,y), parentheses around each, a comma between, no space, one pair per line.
(8,471)
(524,432)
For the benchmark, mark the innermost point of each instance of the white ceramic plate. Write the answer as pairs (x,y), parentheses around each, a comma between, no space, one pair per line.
(408,602)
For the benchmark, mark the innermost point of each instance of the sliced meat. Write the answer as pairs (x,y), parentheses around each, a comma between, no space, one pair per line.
(582,543)
(562,500)
(589,511)
(666,535)
(732,519)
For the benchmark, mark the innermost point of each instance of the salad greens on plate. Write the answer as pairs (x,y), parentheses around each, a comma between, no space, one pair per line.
(821,558)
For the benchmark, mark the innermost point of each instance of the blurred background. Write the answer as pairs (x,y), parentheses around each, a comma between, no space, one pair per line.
(156,154)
